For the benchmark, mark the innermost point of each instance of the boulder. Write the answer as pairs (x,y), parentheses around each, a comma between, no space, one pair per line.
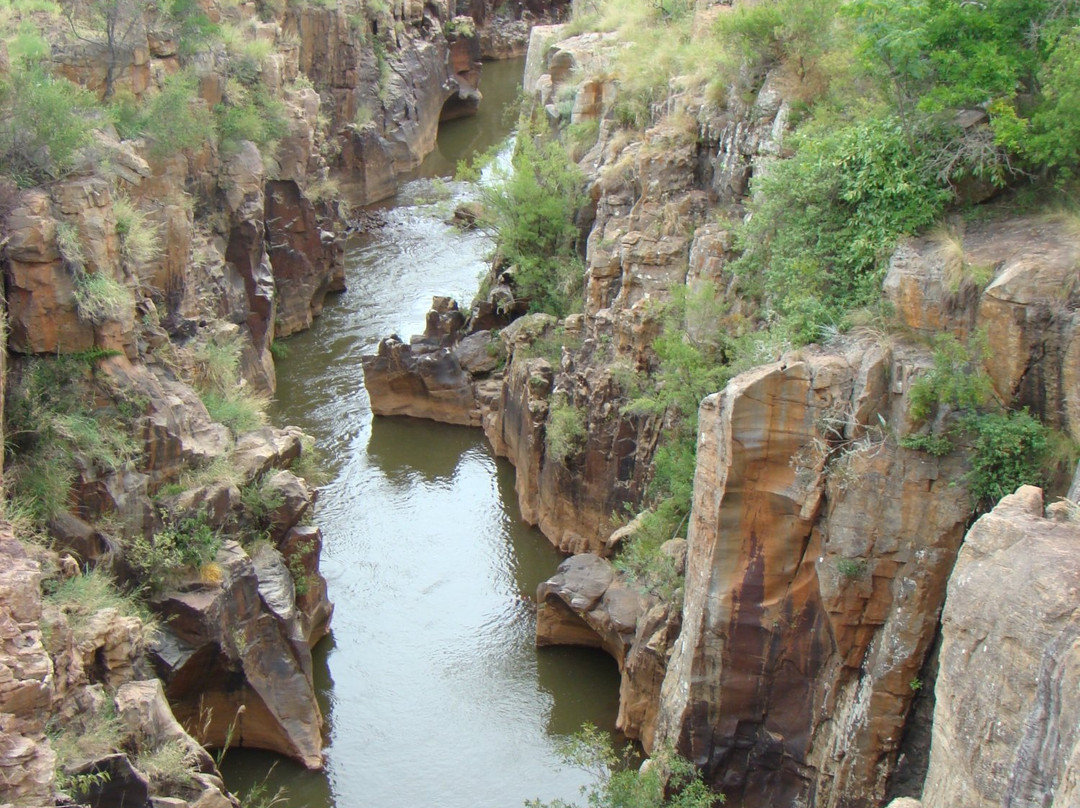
(421,382)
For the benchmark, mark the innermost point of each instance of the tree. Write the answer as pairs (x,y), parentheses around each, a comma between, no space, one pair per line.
(115,24)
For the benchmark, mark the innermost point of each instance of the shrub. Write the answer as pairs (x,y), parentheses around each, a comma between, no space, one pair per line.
(564,433)
(87,735)
(221,388)
(252,115)
(670,780)
(193,26)
(260,501)
(239,411)
(44,121)
(184,543)
(175,120)
(824,222)
(641,558)
(1010,449)
(170,765)
(956,379)
(54,416)
(531,211)
(850,568)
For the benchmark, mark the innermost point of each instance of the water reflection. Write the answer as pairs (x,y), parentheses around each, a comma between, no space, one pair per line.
(393,444)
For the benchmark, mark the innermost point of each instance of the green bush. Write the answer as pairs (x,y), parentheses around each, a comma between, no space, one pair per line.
(174,120)
(957,379)
(825,221)
(564,433)
(1009,450)
(252,115)
(217,379)
(44,121)
(53,418)
(140,241)
(184,544)
(531,211)
(260,501)
(83,596)
(693,355)
(669,782)
(193,27)
(1016,58)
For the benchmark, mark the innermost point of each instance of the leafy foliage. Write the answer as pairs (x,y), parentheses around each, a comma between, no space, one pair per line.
(1010,449)
(44,121)
(693,353)
(184,543)
(666,781)
(54,418)
(824,222)
(564,433)
(957,379)
(531,210)
(173,120)
(83,596)
(222,390)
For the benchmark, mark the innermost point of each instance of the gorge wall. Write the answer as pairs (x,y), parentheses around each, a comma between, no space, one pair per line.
(819,551)
(243,241)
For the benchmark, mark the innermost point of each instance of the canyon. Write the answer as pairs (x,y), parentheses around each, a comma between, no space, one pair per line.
(829,643)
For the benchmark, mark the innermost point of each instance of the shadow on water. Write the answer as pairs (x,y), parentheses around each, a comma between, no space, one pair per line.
(406,446)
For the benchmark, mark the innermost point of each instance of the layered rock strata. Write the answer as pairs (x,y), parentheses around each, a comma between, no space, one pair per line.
(806,621)
(52,679)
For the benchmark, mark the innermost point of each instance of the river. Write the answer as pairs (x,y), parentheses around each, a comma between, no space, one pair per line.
(433,691)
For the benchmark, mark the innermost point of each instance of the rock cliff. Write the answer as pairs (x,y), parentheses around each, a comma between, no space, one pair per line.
(1006,727)
(805,621)
(819,548)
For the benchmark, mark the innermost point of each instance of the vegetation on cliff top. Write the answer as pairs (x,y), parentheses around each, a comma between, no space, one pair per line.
(900,112)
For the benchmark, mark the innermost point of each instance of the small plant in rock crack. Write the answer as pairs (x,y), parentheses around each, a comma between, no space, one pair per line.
(850,569)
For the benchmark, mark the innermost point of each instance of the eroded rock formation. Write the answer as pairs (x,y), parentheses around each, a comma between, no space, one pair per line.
(1007,716)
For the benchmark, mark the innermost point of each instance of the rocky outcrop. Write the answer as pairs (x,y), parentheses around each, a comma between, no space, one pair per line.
(587,603)
(1013,281)
(420,381)
(386,99)
(234,651)
(805,621)
(27,761)
(306,259)
(1007,717)
(58,667)
(571,499)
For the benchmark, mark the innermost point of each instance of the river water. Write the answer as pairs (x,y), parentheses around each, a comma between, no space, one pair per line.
(433,691)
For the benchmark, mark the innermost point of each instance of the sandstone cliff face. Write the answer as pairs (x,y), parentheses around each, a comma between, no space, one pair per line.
(818,552)
(1028,310)
(1006,722)
(50,681)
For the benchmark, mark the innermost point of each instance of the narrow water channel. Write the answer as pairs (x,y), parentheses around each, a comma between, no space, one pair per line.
(433,691)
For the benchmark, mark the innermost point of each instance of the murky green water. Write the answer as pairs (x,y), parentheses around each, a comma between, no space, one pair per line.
(433,691)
